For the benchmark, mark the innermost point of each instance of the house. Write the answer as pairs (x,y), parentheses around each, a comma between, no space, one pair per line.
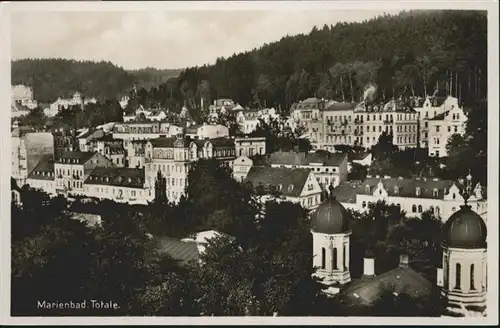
(85,138)
(73,167)
(442,127)
(346,194)
(120,184)
(75,100)
(329,168)
(218,148)
(297,185)
(207,131)
(22,95)
(28,148)
(42,177)
(414,196)
(135,151)
(250,146)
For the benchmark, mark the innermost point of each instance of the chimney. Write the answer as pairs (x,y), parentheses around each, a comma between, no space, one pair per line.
(369,264)
(403,261)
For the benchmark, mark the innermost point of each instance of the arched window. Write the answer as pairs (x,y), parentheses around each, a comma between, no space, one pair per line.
(323,258)
(472,277)
(435,192)
(414,208)
(454,196)
(364,204)
(417,191)
(458,275)
(334,258)
(453,209)
(432,209)
(419,208)
(396,190)
(367,188)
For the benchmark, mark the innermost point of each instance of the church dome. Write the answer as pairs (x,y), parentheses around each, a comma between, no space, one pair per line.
(465,229)
(330,217)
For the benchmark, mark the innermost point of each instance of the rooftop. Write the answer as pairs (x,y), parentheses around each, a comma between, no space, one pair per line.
(75,157)
(182,251)
(346,191)
(117,176)
(292,181)
(305,158)
(43,171)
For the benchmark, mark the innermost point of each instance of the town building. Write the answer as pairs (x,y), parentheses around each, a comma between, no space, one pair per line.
(250,146)
(442,127)
(133,130)
(64,140)
(207,131)
(148,115)
(122,185)
(414,196)
(218,148)
(136,150)
(85,138)
(431,107)
(220,106)
(22,96)
(330,123)
(363,158)
(73,167)
(296,185)
(28,148)
(75,100)
(42,177)
(329,168)
(248,119)
(170,156)
(124,101)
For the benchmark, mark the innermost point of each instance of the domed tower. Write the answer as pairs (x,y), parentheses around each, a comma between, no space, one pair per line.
(330,230)
(464,272)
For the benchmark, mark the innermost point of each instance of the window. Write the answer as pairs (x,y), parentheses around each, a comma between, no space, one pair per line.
(472,277)
(323,257)
(432,209)
(419,208)
(364,204)
(417,191)
(437,128)
(458,275)
(437,210)
(454,196)
(435,192)
(344,255)
(456,129)
(334,259)
(414,208)
(453,209)
(426,124)
(367,188)
(449,128)
(458,116)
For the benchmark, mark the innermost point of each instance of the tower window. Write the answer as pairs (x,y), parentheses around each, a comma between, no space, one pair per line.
(472,277)
(414,208)
(417,191)
(344,255)
(419,208)
(323,258)
(334,259)
(458,275)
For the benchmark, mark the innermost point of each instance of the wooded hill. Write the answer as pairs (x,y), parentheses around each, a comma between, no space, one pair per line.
(53,78)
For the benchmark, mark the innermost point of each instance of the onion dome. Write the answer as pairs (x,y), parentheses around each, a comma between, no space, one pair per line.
(330,217)
(465,229)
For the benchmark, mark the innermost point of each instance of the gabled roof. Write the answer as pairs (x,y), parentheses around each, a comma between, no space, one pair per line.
(75,157)
(358,156)
(439,117)
(341,106)
(292,181)
(117,176)
(346,191)
(222,142)
(303,158)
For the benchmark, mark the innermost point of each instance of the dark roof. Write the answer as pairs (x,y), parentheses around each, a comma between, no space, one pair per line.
(439,117)
(304,158)
(341,106)
(13,185)
(117,176)
(43,171)
(330,217)
(80,157)
(183,251)
(193,129)
(291,180)
(465,229)
(358,156)
(115,149)
(346,191)
(199,142)
(163,142)
(408,187)
(109,138)
(222,142)
(399,280)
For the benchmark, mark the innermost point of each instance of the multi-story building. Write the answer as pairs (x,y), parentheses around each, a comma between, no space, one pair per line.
(28,149)
(42,177)
(243,164)
(430,108)
(330,123)
(86,137)
(250,146)
(170,156)
(329,168)
(294,185)
(23,96)
(128,131)
(150,115)
(218,148)
(248,119)
(207,131)
(64,140)
(442,127)
(414,196)
(123,185)
(76,100)
(136,151)
(73,167)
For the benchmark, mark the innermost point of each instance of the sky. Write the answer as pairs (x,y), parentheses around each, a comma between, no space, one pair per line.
(160,39)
